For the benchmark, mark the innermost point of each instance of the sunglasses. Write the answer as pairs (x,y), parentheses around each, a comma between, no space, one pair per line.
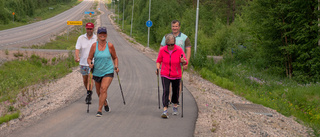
(170,44)
(89,28)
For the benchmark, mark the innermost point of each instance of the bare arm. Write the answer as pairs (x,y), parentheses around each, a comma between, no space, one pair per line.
(188,51)
(114,56)
(91,54)
(77,59)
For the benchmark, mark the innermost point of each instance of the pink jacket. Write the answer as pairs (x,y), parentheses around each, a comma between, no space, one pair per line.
(170,64)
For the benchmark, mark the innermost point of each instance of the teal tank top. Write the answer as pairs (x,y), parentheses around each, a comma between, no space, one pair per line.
(103,63)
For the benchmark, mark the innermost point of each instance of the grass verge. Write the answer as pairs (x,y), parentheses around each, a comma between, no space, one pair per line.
(18,74)
(9,117)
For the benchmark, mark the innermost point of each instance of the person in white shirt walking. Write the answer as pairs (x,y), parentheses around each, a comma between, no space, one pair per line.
(83,46)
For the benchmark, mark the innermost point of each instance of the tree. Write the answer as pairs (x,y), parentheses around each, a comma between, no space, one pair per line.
(287,33)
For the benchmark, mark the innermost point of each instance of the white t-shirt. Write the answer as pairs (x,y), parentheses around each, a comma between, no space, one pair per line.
(84,45)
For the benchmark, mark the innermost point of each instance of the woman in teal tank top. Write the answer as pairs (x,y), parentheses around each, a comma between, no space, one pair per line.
(105,63)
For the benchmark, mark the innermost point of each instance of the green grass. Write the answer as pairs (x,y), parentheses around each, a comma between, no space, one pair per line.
(9,117)
(41,14)
(17,74)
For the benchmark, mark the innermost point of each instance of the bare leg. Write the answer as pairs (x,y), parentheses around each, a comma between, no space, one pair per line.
(89,82)
(85,81)
(105,83)
(98,85)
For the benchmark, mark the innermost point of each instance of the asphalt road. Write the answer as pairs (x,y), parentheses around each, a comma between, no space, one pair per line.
(140,117)
(41,31)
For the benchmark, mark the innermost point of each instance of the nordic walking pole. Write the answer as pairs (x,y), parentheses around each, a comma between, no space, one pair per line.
(90,84)
(158,88)
(124,102)
(182,95)
(182,89)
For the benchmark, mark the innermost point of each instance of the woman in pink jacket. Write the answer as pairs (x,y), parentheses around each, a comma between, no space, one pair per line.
(170,59)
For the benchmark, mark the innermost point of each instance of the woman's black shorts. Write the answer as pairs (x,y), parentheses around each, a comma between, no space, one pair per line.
(99,79)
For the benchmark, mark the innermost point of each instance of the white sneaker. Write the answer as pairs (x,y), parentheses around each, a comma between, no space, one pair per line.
(175,111)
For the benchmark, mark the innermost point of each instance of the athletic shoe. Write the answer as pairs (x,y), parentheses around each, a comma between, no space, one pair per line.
(175,111)
(89,98)
(99,114)
(165,114)
(107,108)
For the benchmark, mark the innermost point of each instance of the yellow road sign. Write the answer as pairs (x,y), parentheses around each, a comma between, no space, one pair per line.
(74,23)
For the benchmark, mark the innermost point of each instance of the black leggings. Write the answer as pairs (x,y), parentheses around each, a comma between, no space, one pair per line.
(175,91)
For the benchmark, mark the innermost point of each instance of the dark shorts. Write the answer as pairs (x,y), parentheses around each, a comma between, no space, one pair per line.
(99,79)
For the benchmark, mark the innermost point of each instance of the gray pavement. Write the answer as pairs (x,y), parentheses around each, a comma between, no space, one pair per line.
(140,117)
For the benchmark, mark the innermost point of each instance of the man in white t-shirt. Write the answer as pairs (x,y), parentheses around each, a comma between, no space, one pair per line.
(83,46)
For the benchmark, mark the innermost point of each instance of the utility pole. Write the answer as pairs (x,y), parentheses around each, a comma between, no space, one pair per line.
(196,35)
(132,18)
(123,14)
(149,19)
(318,22)
(118,12)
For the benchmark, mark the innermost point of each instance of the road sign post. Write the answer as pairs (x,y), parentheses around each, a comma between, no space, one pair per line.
(132,18)
(196,35)
(149,24)
(123,14)
(72,23)
(89,12)
(118,11)
(13,16)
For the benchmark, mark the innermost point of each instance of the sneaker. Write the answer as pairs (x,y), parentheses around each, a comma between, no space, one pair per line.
(99,114)
(175,111)
(165,114)
(89,98)
(107,108)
